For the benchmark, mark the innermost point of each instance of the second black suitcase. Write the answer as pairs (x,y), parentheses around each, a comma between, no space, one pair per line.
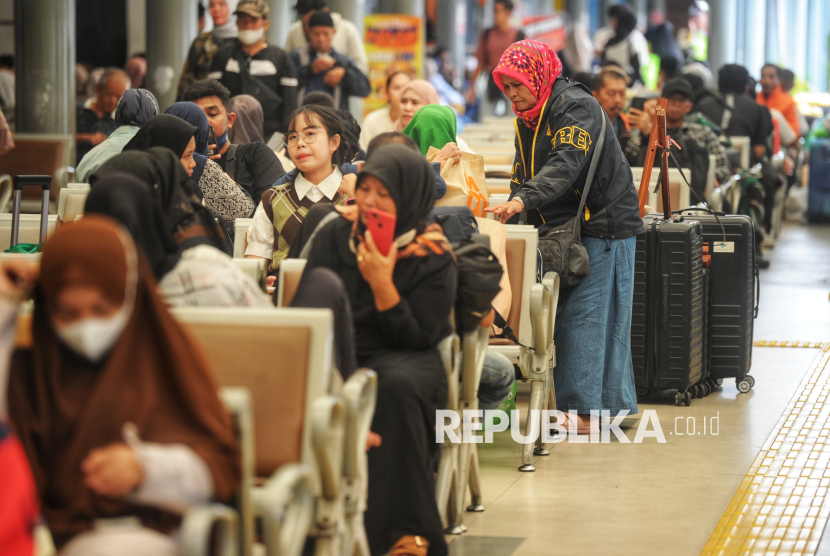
(667,330)
(730,243)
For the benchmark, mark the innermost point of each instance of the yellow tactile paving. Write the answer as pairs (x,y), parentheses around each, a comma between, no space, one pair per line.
(781,506)
(787,344)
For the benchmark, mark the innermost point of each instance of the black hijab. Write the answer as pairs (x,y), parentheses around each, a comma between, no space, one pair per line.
(187,218)
(129,200)
(136,107)
(163,130)
(626,23)
(410,181)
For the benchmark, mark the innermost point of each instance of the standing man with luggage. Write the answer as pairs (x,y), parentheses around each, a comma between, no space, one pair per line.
(250,66)
(558,127)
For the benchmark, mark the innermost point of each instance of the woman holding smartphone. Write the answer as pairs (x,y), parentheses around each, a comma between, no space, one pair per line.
(401,304)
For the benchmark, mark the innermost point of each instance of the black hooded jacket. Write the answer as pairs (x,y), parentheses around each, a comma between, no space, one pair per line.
(552,162)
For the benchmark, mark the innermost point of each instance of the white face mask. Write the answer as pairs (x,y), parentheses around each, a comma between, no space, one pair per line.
(251,36)
(94,337)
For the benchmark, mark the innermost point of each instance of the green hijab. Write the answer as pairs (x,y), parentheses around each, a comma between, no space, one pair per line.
(432,126)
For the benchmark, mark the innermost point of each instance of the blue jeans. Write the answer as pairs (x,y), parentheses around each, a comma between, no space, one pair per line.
(593,332)
(496,380)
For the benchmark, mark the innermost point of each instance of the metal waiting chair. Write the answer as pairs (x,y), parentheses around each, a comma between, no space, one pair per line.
(240,237)
(532,318)
(71,201)
(299,440)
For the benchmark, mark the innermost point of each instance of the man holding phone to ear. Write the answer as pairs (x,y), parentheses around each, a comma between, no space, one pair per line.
(253,166)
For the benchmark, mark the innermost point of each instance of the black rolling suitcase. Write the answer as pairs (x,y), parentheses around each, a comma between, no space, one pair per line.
(667,330)
(729,241)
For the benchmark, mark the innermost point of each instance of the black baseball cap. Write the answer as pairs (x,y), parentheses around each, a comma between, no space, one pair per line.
(320,19)
(677,85)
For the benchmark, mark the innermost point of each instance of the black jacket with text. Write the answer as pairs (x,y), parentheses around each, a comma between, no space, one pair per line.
(552,162)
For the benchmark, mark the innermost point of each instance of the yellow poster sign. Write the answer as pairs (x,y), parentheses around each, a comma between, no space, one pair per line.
(394,42)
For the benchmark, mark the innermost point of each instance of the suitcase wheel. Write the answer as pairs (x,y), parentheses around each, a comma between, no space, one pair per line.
(642,391)
(745,385)
(683,398)
(720,381)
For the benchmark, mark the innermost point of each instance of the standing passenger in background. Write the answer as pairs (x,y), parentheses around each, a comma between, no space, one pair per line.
(250,66)
(493,42)
(620,48)
(94,118)
(206,45)
(383,119)
(321,68)
(347,40)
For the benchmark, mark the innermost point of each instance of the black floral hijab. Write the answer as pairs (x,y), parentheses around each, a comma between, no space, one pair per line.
(187,218)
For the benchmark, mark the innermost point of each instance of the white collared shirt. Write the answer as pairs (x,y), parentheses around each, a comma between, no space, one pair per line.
(327,187)
(261,233)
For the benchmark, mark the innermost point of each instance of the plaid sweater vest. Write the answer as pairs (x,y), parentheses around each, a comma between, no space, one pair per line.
(287,212)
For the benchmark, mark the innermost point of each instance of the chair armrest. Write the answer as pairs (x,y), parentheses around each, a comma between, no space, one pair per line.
(474,350)
(539,317)
(286,505)
(359,395)
(198,526)
(328,424)
(551,282)
(449,349)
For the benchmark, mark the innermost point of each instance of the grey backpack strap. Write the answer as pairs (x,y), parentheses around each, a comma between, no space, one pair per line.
(230,162)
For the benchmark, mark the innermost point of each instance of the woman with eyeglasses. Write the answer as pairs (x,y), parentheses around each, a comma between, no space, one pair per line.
(316,147)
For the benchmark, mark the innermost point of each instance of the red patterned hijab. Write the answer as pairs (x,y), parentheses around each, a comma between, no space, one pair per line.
(535,65)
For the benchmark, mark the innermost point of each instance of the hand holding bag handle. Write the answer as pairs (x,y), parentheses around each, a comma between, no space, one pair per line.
(561,247)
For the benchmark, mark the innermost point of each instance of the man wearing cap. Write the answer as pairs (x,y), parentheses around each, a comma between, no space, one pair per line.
(250,66)
(347,40)
(321,68)
(696,141)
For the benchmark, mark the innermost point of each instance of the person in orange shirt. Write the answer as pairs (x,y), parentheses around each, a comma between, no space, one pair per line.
(773,96)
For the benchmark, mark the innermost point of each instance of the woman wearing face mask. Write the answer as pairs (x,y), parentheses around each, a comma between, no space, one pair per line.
(206,45)
(222,197)
(316,147)
(383,119)
(135,107)
(163,173)
(115,406)
(401,304)
(200,276)
(251,66)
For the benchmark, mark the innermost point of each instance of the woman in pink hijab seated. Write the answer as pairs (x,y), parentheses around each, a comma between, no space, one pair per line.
(420,93)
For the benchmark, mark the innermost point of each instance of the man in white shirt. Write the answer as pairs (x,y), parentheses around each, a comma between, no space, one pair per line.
(347,39)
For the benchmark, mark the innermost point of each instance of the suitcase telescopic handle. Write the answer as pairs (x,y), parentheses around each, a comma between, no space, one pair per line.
(45,183)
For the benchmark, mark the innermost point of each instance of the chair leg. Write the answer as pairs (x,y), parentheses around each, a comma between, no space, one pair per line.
(541,448)
(454,525)
(537,395)
(475,482)
(447,470)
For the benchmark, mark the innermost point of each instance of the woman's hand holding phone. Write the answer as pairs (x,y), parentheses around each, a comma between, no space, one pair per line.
(377,269)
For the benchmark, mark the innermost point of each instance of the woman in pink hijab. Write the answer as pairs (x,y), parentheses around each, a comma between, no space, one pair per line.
(416,94)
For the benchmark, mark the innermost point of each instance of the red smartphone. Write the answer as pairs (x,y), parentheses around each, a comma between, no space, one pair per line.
(382,226)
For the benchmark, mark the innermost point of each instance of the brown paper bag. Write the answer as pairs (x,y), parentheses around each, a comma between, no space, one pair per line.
(465,182)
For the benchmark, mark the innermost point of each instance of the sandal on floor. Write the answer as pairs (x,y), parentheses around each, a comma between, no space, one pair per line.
(410,545)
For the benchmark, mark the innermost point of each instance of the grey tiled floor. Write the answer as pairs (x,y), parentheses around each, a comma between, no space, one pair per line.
(658,499)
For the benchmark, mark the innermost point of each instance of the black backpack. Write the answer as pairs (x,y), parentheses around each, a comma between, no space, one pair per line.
(479,274)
